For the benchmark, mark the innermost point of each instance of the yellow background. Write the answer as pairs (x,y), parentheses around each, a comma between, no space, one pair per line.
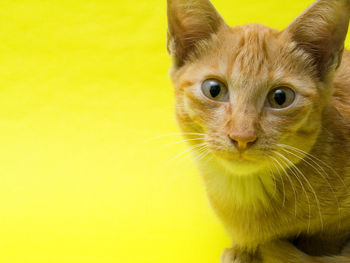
(83,88)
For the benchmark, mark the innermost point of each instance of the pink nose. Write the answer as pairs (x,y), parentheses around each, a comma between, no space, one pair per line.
(242,141)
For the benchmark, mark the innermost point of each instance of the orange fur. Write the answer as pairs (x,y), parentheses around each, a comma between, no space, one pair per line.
(292,183)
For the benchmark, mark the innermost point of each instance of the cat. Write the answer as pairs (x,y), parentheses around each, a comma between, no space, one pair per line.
(271,112)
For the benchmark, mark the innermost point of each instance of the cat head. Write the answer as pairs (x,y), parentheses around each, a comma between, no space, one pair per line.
(252,89)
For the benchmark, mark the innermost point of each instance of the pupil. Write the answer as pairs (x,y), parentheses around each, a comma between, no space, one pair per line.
(280,97)
(215,90)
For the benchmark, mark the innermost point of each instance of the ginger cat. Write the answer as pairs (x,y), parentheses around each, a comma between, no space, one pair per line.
(271,110)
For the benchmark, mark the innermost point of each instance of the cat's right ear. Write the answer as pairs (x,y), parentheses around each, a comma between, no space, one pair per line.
(190,21)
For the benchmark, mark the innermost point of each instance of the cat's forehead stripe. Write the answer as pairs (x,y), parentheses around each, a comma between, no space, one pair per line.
(250,53)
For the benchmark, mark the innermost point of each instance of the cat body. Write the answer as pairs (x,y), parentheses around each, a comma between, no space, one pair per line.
(274,112)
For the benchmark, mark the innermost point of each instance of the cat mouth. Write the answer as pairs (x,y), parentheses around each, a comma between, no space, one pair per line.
(235,156)
(238,163)
(241,156)
(231,154)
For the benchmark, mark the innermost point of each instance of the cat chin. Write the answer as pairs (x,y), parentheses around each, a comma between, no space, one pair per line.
(240,166)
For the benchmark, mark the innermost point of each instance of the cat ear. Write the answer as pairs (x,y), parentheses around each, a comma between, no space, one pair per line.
(320,31)
(190,21)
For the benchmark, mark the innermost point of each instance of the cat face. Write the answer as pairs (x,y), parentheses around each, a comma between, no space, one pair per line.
(248,93)
(251,89)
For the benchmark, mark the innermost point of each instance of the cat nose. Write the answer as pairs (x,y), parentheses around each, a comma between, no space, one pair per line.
(242,141)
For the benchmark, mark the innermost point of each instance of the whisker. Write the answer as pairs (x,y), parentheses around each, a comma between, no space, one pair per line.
(310,186)
(313,158)
(188,149)
(315,168)
(281,177)
(176,175)
(173,134)
(324,178)
(290,181)
(202,154)
(274,183)
(295,173)
(178,142)
(190,158)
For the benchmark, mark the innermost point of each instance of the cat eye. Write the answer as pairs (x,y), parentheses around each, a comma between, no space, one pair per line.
(281,97)
(215,90)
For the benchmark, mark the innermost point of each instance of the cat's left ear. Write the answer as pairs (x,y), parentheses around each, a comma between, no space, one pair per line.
(190,21)
(320,32)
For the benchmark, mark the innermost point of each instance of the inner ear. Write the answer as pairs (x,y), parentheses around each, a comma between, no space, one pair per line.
(320,31)
(189,22)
